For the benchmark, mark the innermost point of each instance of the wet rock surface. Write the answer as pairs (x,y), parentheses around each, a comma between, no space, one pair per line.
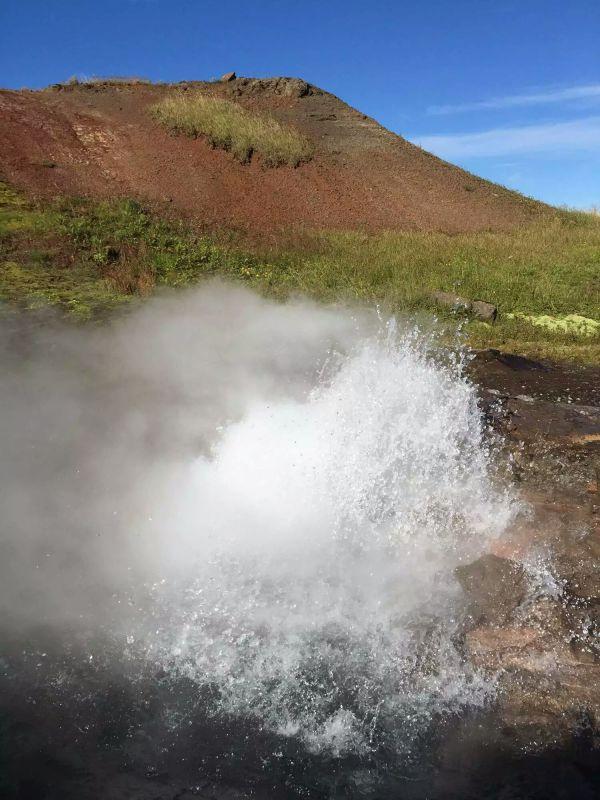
(513,375)
(550,416)
(111,742)
(495,586)
(535,602)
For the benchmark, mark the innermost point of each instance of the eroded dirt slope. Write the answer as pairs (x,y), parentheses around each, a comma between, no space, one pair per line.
(99,139)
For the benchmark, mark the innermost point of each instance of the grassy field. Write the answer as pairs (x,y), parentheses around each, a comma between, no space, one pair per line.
(550,268)
(89,258)
(229,126)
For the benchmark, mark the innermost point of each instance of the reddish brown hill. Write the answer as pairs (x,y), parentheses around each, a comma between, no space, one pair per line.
(98,139)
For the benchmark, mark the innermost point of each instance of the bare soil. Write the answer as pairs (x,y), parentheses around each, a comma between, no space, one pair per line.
(99,140)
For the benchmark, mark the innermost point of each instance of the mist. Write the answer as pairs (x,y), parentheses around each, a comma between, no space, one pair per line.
(97,423)
(268,499)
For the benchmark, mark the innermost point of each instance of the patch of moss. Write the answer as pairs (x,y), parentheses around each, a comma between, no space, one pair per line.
(568,323)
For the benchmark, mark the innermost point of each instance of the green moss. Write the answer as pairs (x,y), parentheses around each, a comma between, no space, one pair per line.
(569,323)
(78,292)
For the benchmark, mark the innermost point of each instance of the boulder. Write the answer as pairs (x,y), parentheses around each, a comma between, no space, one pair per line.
(502,648)
(229,76)
(295,87)
(484,311)
(479,308)
(577,565)
(540,648)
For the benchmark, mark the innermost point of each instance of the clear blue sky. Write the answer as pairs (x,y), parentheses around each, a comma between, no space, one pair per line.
(510,89)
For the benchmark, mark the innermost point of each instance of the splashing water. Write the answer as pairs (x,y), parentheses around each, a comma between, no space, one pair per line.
(321,537)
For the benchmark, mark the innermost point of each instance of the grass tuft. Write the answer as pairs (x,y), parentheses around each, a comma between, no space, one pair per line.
(229,126)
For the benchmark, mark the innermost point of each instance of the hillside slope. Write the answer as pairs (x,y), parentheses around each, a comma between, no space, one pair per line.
(98,139)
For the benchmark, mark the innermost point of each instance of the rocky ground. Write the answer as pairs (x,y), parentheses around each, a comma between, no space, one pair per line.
(535,600)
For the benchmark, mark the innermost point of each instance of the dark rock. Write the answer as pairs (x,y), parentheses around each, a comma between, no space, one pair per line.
(493,408)
(577,564)
(496,587)
(545,688)
(510,360)
(229,76)
(547,422)
(541,647)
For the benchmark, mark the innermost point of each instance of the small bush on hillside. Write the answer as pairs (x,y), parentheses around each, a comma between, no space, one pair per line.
(229,126)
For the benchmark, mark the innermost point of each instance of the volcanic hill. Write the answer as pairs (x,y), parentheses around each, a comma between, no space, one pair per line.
(99,139)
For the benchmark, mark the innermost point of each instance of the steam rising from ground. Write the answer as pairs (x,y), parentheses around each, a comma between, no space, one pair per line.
(268,500)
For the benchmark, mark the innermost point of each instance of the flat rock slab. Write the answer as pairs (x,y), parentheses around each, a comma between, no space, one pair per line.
(557,422)
(514,375)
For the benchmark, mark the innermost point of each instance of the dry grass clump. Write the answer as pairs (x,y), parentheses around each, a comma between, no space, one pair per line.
(131,273)
(118,80)
(229,126)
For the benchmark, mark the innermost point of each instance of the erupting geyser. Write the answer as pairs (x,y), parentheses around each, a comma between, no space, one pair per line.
(320,536)
(270,511)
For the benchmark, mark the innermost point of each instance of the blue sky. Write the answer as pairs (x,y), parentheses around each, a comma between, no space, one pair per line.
(509,89)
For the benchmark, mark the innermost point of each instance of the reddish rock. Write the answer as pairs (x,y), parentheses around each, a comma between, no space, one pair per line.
(496,586)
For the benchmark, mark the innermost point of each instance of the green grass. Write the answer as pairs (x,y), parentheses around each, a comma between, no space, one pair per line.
(551,267)
(89,258)
(229,126)
(77,291)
